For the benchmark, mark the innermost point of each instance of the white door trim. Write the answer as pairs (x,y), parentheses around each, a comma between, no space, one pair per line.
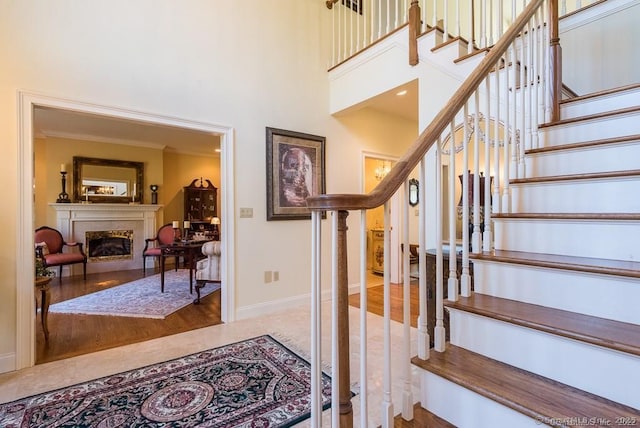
(25,319)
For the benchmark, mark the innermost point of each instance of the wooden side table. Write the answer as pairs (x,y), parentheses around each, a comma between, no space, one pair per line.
(42,284)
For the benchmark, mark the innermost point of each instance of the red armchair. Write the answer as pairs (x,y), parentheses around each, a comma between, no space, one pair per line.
(165,236)
(50,245)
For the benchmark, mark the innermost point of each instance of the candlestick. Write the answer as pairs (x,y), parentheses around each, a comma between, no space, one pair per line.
(63,167)
(63,197)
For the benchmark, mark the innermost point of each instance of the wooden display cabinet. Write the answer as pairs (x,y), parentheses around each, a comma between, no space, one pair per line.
(200,204)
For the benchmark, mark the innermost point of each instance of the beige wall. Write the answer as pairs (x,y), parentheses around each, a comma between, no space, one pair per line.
(50,153)
(201,61)
(170,171)
(179,171)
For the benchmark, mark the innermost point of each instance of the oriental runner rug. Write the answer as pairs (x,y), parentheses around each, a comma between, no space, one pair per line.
(140,298)
(253,383)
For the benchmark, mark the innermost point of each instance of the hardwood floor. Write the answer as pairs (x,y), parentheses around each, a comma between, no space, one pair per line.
(72,334)
(375,300)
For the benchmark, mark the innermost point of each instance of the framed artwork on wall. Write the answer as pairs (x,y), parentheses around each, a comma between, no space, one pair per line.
(295,171)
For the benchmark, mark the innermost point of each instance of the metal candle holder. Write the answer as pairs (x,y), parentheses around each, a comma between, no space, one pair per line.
(63,197)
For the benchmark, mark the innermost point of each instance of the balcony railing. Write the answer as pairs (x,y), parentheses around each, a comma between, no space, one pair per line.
(358,24)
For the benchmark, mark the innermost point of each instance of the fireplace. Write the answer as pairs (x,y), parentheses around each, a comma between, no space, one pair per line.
(75,220)
(109,245)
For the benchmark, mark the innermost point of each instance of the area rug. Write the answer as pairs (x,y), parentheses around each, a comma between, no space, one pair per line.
(254,383)
(140,298)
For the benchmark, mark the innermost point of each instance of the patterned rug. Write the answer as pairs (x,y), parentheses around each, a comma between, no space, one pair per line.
(254,383)
(140,298)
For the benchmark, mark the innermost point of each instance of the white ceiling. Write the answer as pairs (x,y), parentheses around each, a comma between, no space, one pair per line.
(51,122)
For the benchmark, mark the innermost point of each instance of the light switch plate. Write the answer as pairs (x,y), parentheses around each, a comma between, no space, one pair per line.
(246,212)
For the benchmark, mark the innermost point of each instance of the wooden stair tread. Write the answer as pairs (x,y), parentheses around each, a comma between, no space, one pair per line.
(584,144)
(616,335)
(582,176)
(568,216)
(555,261)
(601,93)
(535,396)
(590,117)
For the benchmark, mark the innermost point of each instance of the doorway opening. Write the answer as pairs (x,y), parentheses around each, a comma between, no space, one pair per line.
(28,102)
(375,167)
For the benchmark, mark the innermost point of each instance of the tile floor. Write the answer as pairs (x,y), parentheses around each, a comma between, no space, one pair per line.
(291,327)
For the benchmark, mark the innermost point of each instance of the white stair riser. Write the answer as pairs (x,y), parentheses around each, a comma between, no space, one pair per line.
(600,104)
(465,408)
(586,293)
(595,129)
(601,239)
(579,196)
(450,52)
(610,374)
(608,157)
(429,41)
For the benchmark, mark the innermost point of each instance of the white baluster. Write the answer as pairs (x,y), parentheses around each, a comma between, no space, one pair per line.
(445,14)
(483,23)
(423,329)
(387,403)
(487,236)
(524,140)
(407,394)
(496,147)
(477,233)
(506,204)
(364,385)
(457,32)
(465,278)
(335,359)
(316,324)
(452,282)
(472,36)
(439,337)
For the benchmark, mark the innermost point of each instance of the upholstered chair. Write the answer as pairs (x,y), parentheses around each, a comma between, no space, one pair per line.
(50,246)
(208,269)
(152,246)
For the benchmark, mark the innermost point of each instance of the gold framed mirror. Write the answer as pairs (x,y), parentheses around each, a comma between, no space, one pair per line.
(107,180)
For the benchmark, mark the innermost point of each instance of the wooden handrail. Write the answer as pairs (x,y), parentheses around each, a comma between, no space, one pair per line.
(401,170)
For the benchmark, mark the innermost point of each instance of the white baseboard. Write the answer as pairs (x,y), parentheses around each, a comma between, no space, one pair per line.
(265,308)
(7,362)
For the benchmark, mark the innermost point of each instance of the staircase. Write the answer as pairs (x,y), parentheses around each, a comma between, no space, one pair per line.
(551,334)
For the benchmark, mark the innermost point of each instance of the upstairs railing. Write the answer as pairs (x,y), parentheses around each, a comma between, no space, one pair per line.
(358,24)
(484,129)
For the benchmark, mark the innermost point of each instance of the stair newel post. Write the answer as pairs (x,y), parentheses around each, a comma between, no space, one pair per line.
(414,31)
(555,61)
(346,410)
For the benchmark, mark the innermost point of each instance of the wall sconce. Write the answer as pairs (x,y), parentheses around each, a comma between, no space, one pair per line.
(382,170)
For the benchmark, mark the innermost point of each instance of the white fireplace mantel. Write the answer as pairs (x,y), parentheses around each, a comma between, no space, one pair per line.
(72,221)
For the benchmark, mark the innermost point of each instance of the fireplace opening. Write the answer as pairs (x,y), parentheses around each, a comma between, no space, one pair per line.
(109,245)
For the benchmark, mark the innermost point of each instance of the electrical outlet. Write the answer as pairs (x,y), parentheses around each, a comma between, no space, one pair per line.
(276,275)
(267,276)
(246,212)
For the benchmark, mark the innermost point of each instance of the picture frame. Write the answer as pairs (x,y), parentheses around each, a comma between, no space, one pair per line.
(295,171)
